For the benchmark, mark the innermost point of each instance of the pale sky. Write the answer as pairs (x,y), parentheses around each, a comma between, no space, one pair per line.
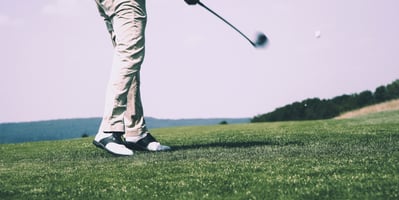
(56,56)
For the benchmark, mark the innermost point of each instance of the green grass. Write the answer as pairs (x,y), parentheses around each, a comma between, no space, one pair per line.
(328,159)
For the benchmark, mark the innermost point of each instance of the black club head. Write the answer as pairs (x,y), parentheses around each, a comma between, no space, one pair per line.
(261,40)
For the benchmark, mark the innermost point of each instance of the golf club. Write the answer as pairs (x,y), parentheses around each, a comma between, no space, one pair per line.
(261,38)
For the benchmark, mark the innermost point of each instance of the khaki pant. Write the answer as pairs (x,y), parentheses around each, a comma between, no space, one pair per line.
(126,21)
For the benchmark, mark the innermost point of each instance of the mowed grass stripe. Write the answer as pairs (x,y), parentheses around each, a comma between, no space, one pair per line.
(334,159)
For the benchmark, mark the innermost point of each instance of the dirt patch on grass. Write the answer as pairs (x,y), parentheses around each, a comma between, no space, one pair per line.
(386,106)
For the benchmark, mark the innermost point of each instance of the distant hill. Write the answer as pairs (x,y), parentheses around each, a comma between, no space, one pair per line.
(381,107)
(76,128)
(315,108)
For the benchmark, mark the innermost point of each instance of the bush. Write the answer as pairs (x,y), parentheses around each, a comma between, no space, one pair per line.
(223,122)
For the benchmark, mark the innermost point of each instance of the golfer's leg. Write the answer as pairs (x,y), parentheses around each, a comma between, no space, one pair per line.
(129,24)
(115,105)
(109,121)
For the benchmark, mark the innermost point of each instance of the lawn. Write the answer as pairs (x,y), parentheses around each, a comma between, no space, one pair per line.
(326,159)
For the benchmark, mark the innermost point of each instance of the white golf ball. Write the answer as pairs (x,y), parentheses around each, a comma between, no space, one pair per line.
(317,34)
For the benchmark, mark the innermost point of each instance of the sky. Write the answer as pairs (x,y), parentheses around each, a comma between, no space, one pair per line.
(55,56)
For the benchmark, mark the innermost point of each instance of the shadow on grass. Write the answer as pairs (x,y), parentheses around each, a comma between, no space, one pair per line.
(237,144)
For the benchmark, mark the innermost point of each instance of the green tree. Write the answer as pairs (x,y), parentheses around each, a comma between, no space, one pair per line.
(393,90)
(364,98)
(380,94)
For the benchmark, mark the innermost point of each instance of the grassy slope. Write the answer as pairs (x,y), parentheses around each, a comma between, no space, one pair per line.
(335,159)
(381,107)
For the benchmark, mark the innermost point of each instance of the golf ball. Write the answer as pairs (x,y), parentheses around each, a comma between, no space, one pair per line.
(317,34)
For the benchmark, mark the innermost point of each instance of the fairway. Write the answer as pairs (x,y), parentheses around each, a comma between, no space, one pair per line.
(326,159)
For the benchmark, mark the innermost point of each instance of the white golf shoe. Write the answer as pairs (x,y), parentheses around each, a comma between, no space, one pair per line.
(145,142)
(113,143)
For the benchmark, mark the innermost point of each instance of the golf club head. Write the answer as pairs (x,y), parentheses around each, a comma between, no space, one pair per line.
(261,40)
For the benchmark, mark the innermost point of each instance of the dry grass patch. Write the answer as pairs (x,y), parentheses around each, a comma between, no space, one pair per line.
(386,106)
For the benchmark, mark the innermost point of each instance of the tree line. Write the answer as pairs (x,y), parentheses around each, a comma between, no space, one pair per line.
(315,108)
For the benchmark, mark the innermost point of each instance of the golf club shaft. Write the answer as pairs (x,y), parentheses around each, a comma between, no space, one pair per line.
(204,6)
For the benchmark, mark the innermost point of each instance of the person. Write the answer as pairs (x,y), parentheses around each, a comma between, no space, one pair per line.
(123,128)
